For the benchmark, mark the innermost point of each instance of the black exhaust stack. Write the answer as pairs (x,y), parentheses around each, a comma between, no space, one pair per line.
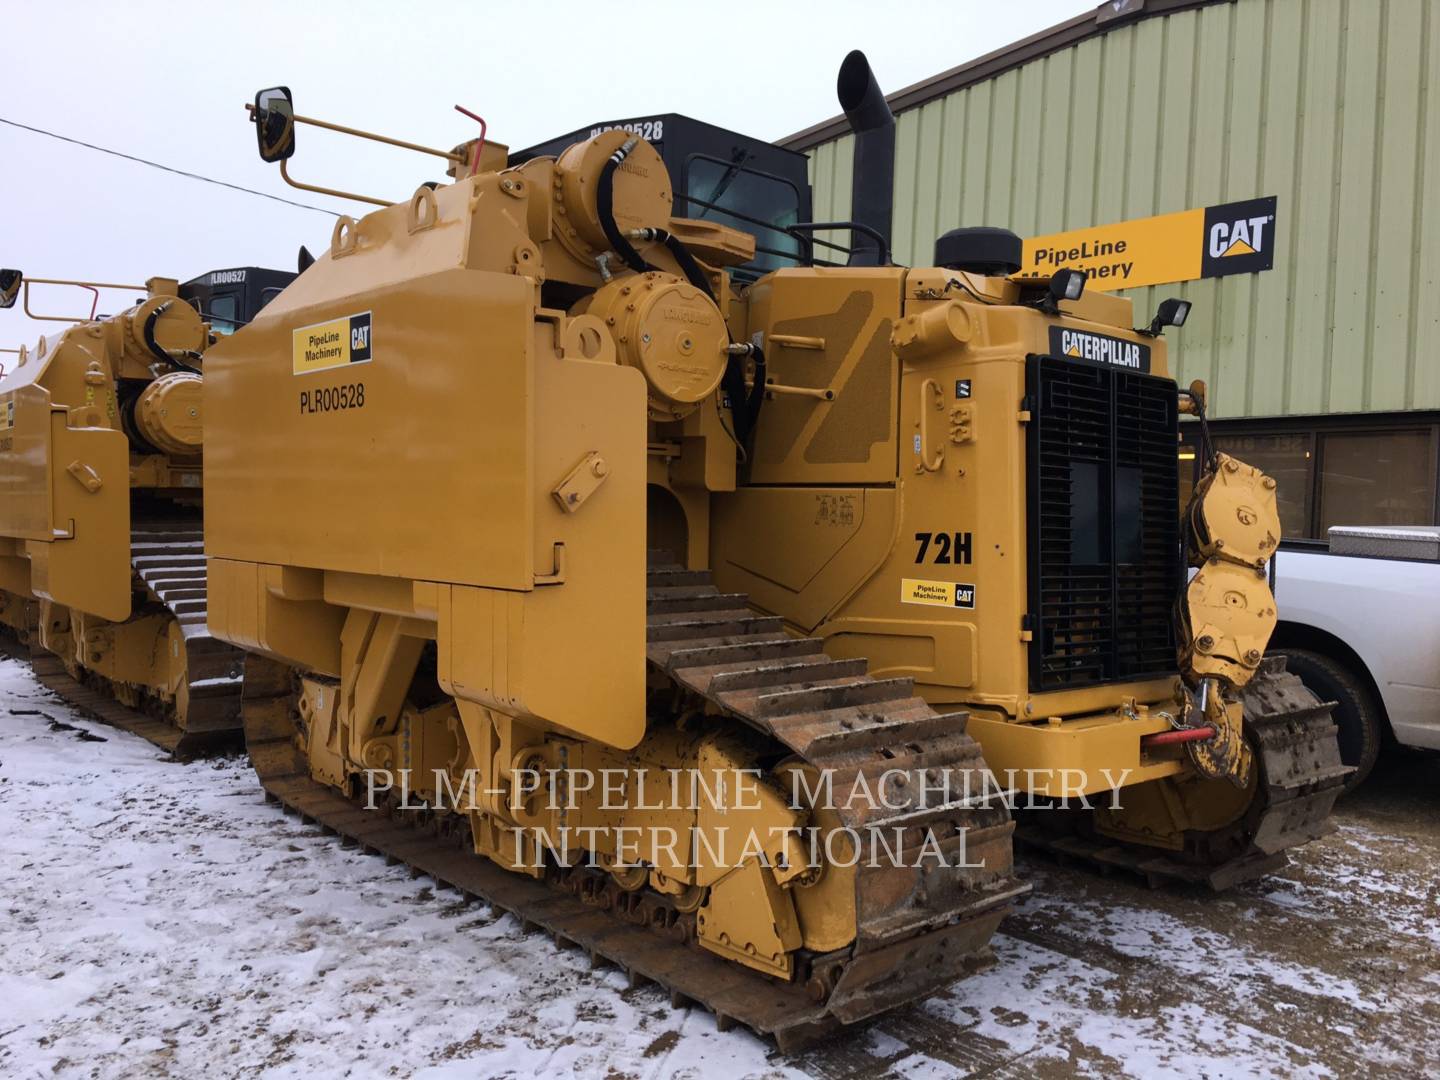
(873,185)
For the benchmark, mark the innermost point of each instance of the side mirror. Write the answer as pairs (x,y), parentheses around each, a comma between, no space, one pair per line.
(10,281)
(274,120)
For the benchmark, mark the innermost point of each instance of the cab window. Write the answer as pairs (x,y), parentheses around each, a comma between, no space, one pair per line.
(754,202)
(222,313)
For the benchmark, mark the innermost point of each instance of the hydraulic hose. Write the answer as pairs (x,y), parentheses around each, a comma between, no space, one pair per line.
(605,207)
(757,388)
(744,407)
(148,331)
(688,266)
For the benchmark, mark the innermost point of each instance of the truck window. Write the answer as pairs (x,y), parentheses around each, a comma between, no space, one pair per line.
(1376,478)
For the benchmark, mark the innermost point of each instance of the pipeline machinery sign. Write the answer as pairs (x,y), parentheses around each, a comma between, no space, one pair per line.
(1207,242)
(331,344)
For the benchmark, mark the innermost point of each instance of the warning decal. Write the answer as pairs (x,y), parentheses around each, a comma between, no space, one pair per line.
(937,593)
(331,344)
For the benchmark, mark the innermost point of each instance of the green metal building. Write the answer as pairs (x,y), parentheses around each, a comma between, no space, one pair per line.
(1325,368)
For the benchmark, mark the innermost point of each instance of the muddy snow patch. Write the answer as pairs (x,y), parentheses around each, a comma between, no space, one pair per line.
(163,920)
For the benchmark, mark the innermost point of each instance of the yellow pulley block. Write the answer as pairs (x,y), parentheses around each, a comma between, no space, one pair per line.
(167,413)
(1234,514)
(1229,612)
(1229,618)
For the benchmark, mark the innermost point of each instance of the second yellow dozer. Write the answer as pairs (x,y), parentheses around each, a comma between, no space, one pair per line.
(560,527)
(102,567)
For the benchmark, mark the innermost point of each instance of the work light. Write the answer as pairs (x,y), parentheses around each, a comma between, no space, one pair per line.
(1066,285)
(1172,312)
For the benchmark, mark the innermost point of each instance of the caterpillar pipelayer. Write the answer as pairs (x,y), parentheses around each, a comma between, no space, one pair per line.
(102,570)
(530,475)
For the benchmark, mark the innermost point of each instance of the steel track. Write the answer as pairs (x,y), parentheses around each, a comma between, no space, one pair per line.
(168,561)
(1293,737)
(918,929)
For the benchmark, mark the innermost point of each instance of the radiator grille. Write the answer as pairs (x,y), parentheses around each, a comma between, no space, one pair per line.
(1104,524)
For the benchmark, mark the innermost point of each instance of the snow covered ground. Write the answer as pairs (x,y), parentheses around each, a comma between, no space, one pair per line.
(161,920)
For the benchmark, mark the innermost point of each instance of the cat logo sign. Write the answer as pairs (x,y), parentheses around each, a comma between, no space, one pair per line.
(1223,242)
(1101,348)
(1206,242)
(1239,238)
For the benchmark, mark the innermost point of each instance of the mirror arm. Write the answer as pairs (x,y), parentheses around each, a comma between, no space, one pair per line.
(448,155)
(285,174)
(93,286)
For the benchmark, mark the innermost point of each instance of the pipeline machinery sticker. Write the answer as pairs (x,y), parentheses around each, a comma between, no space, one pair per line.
(937,593)
(1084,345)
(1206,242)
(331,344)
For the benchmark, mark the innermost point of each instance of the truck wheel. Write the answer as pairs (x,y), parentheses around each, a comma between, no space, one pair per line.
(1356,714)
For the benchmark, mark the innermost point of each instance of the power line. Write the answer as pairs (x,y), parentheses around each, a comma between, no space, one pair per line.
(167,168)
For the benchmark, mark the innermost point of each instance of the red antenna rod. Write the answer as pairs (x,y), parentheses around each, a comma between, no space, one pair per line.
(475,155)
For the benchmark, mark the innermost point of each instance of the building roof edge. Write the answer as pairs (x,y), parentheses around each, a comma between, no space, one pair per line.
(1108,16)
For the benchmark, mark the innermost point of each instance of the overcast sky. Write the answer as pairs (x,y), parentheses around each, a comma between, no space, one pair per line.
(169,82)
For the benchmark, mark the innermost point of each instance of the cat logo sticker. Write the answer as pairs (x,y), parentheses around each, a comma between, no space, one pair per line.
(947,594)
(332,344)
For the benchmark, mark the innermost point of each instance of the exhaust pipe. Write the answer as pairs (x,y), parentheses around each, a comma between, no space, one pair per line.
(873,183)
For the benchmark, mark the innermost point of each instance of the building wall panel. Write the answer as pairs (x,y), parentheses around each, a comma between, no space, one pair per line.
(1330,105)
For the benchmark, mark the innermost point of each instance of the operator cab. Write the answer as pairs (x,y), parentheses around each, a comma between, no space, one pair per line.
(724,177)
(228,299)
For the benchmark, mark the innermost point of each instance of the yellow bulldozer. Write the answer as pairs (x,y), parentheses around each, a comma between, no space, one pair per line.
(102,570)
(594,508)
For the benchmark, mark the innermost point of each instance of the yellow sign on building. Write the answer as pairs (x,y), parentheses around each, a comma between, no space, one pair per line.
(1209,241)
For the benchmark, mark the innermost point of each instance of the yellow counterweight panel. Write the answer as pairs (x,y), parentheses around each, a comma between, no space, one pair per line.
(572,650)
(26,502)
(14,568)
(86,563)
(275,610)
(433,426)
(451,433)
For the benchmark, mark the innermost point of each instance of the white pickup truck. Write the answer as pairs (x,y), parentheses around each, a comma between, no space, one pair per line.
(1360,625)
